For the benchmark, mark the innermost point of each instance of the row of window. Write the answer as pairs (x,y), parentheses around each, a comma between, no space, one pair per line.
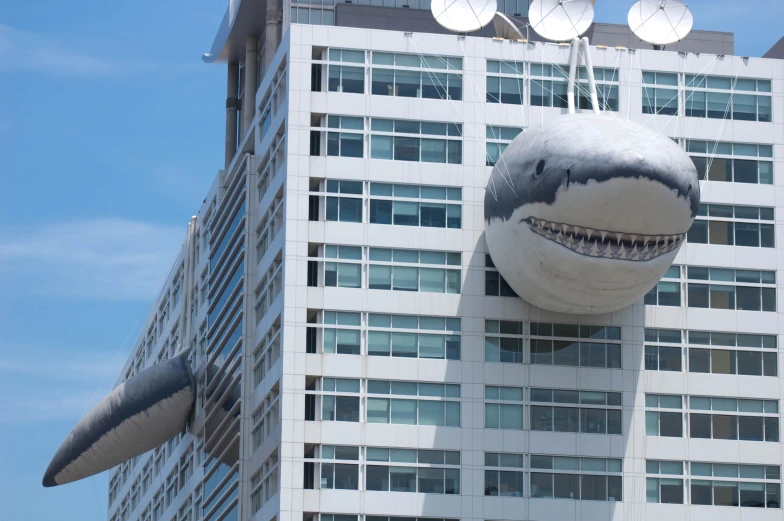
(351,143)
(721,293)
(713,227)
(390,275)
(750,420)
(386,141)
(509,89)
(760,486)
(405,278)
(415,76)
(398,204)
(716,361)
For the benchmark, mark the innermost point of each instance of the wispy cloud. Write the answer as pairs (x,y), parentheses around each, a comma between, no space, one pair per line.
(22,50)
(113,259)
(50,384)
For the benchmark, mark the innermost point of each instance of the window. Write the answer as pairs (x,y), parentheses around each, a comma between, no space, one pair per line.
(336,473)
(505,82)
(497,140)
(218,300)
(732,162)
(268,288)
(666,292)
(722,294)
(342,208)
(721,484)
(734,419)
(406,140)
(345,144)
(339,399)
(656,97)
(507,483)
(264,484)
(588,479)
(265,419)
(414,270)
(549,86)
(592,416)
(751,360)
(423,471)
(345,78)
(343,274)
(417,76)
(267,352)
(495,285)
(424,403)
(504,407)
(412,205)
(733,225)
(507,348)
(312,16)
(607,84)
(661,357)
(270,224)
(663,415)
(664,488)
(347,339)
(721,97)
(410,336)
(573,345)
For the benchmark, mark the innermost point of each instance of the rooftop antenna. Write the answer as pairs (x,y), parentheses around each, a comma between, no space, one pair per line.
(563,21)
(660,22)
(505,28)
(560,20)
(463,16)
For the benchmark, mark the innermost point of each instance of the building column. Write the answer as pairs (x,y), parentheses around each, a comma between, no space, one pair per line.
(232,104)
(271,32)
(249,94)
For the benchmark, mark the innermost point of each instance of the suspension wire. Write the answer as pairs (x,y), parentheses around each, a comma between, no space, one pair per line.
(493,190)
(703,73)
(724,119)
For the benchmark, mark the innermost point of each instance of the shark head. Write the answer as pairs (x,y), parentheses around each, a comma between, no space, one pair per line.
(587,215)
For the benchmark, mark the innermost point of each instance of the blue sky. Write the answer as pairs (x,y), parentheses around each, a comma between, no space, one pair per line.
(111,130)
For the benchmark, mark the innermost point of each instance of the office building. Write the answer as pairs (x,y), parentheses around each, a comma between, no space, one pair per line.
(360,359)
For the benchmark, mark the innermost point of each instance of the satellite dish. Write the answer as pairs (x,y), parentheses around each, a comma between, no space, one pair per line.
(463,16)
(660,22)
(560,20)
(506,28)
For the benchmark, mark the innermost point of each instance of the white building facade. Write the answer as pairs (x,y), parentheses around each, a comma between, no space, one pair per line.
(359,358)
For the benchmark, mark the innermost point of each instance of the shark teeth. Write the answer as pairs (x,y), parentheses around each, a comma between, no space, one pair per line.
(606,244)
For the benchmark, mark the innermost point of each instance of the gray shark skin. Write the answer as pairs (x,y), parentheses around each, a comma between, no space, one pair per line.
(579,149)
(586,215)
(143,412)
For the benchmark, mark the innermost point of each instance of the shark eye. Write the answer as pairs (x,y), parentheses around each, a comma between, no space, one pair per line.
(539,169)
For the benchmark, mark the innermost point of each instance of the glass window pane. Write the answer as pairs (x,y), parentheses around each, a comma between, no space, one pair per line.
(378,410)
(404,278)
(491,416)
(404,345)
(432,346)
(431,412)
(406,148)
(541,485)
(404,411)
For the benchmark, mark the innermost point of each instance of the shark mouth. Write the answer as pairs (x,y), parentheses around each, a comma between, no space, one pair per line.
(605,244)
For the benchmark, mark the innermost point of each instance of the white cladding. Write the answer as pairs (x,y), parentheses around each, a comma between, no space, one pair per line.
(295,369)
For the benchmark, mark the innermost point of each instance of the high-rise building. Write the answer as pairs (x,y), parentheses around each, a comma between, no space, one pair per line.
(359,358)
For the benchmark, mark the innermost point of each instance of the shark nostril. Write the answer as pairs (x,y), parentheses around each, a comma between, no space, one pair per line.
(539,168)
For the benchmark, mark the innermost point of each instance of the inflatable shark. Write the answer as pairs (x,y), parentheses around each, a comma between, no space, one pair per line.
(586,215)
